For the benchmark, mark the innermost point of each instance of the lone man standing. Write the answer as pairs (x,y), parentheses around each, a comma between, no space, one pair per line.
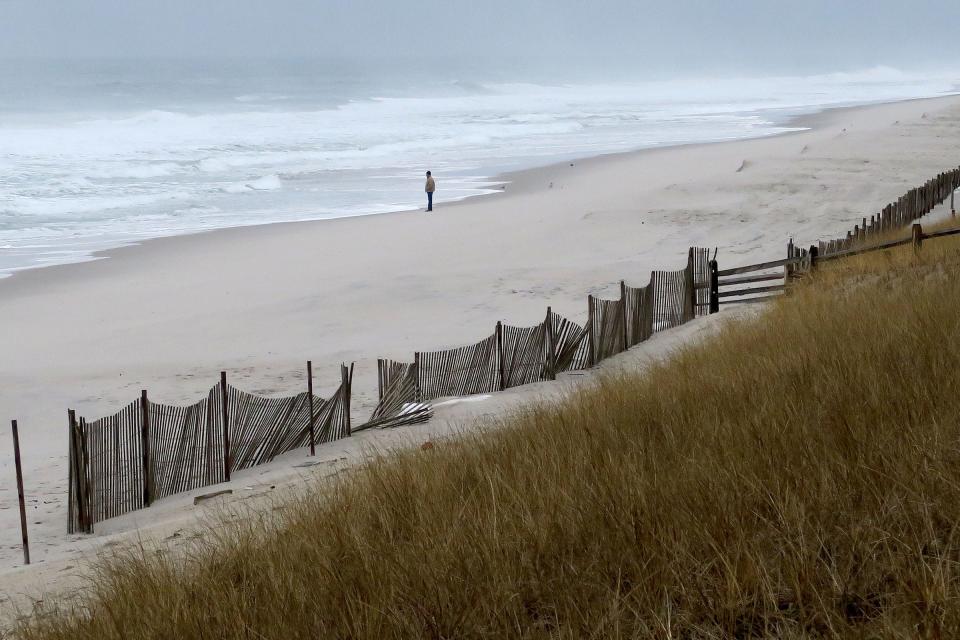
(430,188)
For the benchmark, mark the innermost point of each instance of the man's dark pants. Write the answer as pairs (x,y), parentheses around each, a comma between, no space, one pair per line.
(429,201)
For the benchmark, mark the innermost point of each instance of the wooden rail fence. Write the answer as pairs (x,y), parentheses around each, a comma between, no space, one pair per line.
(762,281)
(909,208)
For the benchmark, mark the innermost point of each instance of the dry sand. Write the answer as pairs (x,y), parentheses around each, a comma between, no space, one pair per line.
(258,302)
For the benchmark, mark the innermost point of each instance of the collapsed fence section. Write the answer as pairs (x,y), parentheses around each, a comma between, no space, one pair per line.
(149,450)
(569,343)
(399,399)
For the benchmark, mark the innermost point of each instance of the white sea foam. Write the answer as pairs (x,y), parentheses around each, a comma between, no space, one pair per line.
(94,178)
(133,171)
(264,183)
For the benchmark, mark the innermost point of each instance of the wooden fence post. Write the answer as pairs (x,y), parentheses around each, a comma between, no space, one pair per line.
(346,381)
(623,304)
(591,355)
(788,269)
(145,447)
(714,287)
(226,426)
(814,253)
(313,450)
(71,493)
(551,364)
(953,210)
(84,517)
(917,236)
(503,382)
(416,376)
(87,480)
(381,365)
(23,506)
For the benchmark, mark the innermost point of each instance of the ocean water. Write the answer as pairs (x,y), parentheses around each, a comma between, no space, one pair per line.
(100,154)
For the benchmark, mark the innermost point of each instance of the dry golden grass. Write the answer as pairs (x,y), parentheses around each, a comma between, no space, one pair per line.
(798,476)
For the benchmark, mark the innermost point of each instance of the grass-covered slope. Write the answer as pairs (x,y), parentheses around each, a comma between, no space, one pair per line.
(797,476)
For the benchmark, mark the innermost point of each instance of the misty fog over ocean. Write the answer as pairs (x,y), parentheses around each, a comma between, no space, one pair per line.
(97,154)
(128,119)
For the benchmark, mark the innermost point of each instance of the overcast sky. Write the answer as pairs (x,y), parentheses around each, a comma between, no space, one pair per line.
(664,34)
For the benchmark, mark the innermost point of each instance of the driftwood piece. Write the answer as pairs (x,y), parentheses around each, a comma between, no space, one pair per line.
(209,496)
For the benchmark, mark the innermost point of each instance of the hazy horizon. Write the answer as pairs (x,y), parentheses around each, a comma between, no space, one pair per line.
(653,39)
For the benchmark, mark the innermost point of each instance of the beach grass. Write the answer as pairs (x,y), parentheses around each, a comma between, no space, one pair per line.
(797,475)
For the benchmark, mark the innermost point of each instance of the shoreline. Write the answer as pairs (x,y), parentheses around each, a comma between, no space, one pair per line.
(170,314)
(519,179)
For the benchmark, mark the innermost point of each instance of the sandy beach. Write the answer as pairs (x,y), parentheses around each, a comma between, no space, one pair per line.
(170,314)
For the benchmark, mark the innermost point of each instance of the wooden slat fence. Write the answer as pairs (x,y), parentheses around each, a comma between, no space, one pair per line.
(639,307)
(511,357)
(515,356)
(525,352)
(462,371)
(608,321)
(149,450)
(913,205)
(186,446)
(699,265)
(114,473)
(670,299)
